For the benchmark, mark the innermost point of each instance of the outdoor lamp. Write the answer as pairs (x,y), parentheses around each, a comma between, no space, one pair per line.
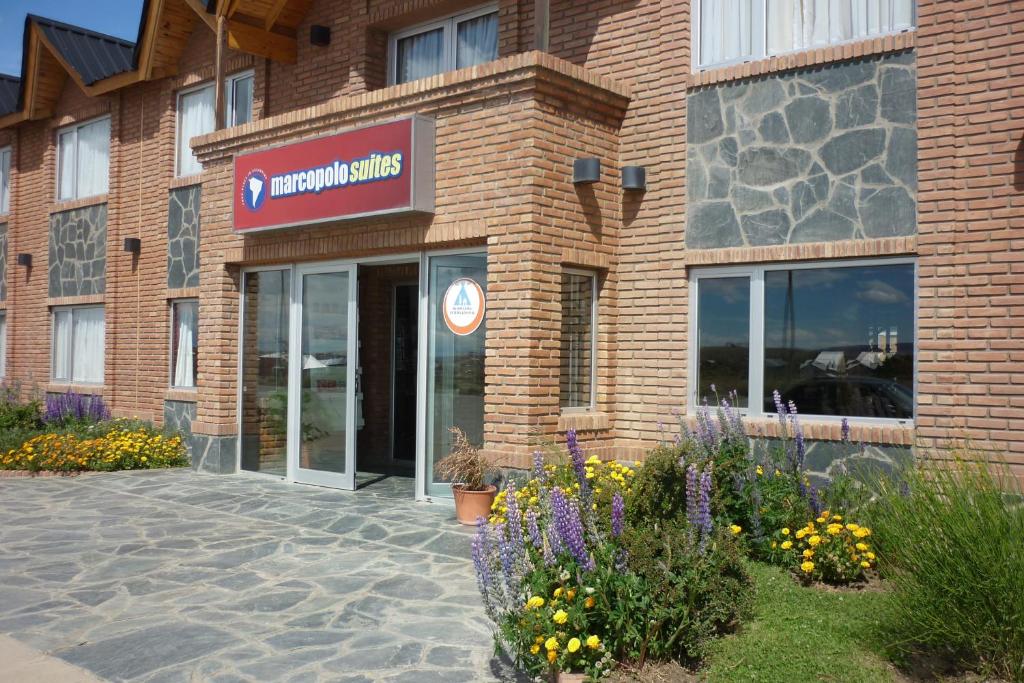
(132,245)
(634,178)
(586,171)
(25,260)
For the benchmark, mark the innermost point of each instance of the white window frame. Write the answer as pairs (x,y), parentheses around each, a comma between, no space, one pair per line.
(171,342)
(3,344)
(71,344)
(75,127)
(755,372)
(595,288)
(229,93)
(5,177)
(450,24)
(761,8)
(177,123)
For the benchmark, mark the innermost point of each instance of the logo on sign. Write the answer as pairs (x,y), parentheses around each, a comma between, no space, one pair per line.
(463,306)
(254,190)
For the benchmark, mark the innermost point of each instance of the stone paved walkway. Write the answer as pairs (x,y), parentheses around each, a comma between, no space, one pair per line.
(175,576)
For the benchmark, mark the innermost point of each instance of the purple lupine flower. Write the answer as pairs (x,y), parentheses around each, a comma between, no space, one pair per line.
(621,560)
(538,467)
(704,508)
(570,528)
(554,540)
(755,513)
(75,406)
(533,530)
(481,552)
(507,555)
(549,552)
(798,438)
(692,494)
(904,488)
(515,521)
(780,409)
(618,514)
(814,499)
(845,430)
(578,464)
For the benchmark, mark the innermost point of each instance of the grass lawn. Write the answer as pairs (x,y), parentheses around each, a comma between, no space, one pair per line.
(802,634)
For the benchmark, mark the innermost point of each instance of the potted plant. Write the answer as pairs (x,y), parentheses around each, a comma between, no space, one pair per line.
(466,468)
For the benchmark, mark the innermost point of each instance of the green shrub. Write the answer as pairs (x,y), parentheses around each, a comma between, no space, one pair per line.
(950,539)
(19,416)
(659,487)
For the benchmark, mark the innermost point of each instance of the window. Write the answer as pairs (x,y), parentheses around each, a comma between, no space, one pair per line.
(5,179)
(455,42)
(239,98)
(78,336)
(196,116)
(578,340)
(733,31)
(3,344)
(83,159)
(184,342)
(836,339)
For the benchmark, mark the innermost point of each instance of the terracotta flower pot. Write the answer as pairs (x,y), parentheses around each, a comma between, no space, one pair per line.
(472,504)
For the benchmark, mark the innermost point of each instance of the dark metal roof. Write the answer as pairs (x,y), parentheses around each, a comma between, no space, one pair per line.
(10,86)
(93,55)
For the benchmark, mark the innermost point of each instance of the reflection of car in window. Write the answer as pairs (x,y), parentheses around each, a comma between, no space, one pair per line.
(850,397)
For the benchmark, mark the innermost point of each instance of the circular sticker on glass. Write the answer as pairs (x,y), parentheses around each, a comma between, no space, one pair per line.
(463,306)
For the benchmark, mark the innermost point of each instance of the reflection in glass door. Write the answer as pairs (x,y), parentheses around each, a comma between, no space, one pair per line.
(266,299)
(457,331)
(323,434)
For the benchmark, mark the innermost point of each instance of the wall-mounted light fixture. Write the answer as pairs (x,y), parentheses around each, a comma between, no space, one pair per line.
(25,260)
(586,171)
(320,35)
(132,245)
(634,178)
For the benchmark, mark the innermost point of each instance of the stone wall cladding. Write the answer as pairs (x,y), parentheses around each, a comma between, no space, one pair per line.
(78,252)
(3,261)
(213,454)
(178,416)
(814,155)
(183,237)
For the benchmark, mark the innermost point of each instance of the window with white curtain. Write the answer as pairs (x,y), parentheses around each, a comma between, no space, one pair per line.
(196,116)
(3,344)
(78,344)
(578,373)
(238,92)
(454,42)
(730,31)
(5,179)
(184,342)
(83,159)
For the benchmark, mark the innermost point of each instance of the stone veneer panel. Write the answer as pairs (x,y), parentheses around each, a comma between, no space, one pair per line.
(3,261)
(214,454)
(183,237)
(178,416)
(815,155)
(78,251)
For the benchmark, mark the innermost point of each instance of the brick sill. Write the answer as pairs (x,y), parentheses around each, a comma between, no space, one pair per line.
(72,204)
(584,421)
(5,217)
(894,42)
(83,300)
(185,181)
(65,387)
(182,395)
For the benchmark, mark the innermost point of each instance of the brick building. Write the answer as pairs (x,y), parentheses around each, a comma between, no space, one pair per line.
(593,213)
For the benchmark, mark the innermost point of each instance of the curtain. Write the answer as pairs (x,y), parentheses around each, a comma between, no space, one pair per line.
(420,56)
(184,368)
(93,158)
(5,182)
(477,41)
(62,345)
(195,117)
(241,101)
(66,158)
(800,24)
(729,30)
(3,344)
(87,345)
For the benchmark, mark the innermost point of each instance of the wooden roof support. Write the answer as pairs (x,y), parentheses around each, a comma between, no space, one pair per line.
(541,18)
(274,13)
(248,38)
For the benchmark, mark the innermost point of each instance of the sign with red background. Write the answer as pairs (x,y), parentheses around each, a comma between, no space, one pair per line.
(385,168)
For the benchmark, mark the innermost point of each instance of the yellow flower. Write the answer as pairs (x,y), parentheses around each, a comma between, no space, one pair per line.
(862,532)
(558,592)
(866,564)
(871,556)
(837,518)
(807,566)
(862,547)
(735,529)
(552,656)
(560,617)
(774,545)
(574,645)
(589,602)
(852,527)
(785,531)
(760,470)
(593,642)
(800,533)
(808,553)
(534,602)
(570,594)
(551,644)
(820,520)
(534,649)
(834,529)
(786,545)
(814,540)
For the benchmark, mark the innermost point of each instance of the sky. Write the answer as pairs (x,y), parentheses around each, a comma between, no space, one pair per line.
(116,17)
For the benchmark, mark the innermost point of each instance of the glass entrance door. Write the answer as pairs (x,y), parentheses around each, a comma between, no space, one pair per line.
(457,330)
(322,379)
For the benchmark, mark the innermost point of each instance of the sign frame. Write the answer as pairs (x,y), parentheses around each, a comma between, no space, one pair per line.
(422,171)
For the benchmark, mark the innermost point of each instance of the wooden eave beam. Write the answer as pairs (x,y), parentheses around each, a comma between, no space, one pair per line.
(252,39)
(275,12)
(148,46)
